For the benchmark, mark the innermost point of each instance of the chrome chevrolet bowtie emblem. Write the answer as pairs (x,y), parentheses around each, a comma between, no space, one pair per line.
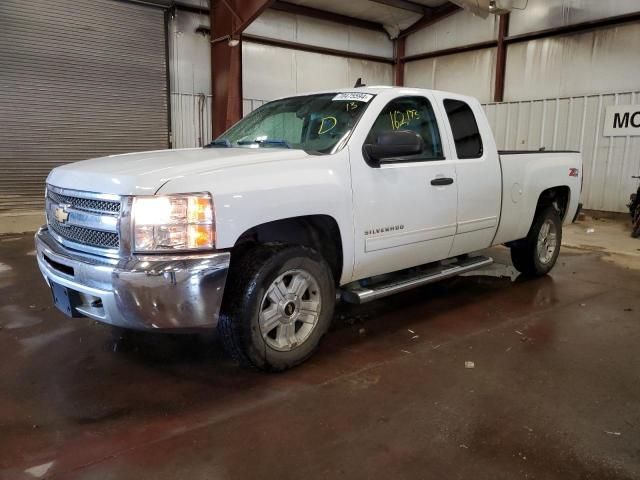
(61,214)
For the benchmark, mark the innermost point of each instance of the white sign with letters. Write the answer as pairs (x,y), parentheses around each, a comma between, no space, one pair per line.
(622,121)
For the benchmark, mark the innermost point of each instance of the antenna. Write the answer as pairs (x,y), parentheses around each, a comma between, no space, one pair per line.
(359,83)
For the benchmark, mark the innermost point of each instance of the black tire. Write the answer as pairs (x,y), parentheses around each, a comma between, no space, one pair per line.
(250,279)
(524,253)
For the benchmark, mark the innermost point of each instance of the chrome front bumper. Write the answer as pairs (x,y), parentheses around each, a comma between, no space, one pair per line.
(181,291)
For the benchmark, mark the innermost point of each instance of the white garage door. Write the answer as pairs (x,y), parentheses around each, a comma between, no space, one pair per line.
(78,79)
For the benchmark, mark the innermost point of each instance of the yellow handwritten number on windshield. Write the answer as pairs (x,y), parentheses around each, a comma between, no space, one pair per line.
(327,124)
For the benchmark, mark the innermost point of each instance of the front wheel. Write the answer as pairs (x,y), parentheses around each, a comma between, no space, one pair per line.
(277,306)
(536,254)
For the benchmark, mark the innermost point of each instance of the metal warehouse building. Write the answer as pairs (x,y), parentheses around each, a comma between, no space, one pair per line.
(320,239)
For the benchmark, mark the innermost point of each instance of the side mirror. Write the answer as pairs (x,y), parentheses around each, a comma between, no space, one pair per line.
(394,143)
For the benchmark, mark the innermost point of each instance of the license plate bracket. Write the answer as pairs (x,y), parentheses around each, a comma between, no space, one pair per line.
(66,300)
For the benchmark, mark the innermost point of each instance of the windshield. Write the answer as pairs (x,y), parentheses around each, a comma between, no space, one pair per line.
(314,123)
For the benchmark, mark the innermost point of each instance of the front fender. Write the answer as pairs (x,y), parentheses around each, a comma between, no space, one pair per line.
(247,196)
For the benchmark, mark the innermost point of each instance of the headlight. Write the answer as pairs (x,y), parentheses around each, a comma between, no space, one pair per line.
(173,222)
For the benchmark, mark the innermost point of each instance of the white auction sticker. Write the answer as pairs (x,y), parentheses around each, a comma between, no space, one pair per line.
(353,96)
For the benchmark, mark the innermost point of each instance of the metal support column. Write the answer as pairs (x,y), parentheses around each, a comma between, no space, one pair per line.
(398,61)
(501,58)
(229,18)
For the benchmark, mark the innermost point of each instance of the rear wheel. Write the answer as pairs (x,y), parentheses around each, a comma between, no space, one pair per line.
(536,254)
(278,304)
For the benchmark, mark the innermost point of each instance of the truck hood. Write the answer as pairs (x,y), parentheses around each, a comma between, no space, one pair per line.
(144,173)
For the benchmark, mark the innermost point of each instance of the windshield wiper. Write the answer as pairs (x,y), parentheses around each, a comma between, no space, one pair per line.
(268,142)
(220,142)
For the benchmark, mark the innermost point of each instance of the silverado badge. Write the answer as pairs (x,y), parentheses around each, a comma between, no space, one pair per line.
(61,214)
(390,228)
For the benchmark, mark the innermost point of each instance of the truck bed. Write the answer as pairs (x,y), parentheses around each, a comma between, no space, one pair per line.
(525,175)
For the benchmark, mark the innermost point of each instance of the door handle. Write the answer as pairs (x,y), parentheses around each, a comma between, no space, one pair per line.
(441,181)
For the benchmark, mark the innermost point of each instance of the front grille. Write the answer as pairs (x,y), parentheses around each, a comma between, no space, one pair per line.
(86,219)
(87,204)
(86,236)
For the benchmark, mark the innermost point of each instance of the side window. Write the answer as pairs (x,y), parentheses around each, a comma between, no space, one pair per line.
(465,129)
(414,114)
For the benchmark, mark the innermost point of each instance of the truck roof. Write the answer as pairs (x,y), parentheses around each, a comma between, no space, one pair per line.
(386,90)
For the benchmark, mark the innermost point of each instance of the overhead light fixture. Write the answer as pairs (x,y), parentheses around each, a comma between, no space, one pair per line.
(483,8)
(232,40)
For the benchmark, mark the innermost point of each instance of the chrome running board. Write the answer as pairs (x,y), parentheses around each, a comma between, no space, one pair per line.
(356,293)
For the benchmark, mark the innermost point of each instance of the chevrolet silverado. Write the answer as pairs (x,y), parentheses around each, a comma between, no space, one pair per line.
(347,195)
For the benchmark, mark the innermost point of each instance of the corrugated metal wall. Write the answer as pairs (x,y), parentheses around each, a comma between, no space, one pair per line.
(573,73)
(78,79)
(457,30)
(575,123)
(600,61)
(469,73)
(191,119)
(543,14)
(250,104)
(270,72)
(190,61)
(321,33)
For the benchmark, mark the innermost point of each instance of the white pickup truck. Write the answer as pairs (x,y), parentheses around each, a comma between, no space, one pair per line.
(347,195)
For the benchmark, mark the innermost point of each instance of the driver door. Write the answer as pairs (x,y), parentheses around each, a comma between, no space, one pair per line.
(404,210)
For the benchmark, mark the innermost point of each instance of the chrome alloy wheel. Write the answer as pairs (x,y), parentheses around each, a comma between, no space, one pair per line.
(547,241)
(290,310)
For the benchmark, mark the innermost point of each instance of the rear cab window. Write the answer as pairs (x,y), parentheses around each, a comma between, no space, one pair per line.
(464,128)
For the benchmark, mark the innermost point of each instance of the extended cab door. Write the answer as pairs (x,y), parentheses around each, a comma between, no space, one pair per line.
(478,174)
(404,210)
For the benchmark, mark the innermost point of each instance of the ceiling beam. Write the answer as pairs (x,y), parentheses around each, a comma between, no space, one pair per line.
(430,18)
(305,47)
(405,5)
(186,7)
(325,15)
(450,51)
(575,28)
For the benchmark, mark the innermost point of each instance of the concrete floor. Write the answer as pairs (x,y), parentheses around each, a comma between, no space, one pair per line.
(554,392)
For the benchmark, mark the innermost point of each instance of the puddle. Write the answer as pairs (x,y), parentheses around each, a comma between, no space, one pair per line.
(583,246)
(11,316)
(10,239)
(625,261)
(496,270)
(39,471)
(36,342)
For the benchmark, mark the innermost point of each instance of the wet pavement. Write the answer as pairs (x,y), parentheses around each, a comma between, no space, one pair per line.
(554,392)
